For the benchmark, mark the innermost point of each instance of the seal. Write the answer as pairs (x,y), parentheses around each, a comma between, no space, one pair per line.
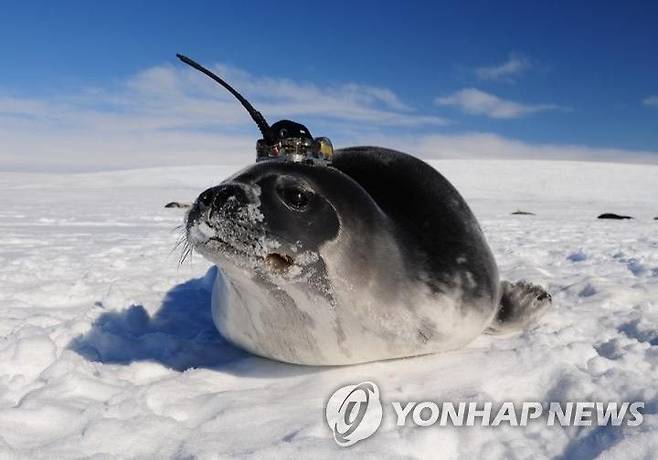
(364,254)
(613,216)
(377,257)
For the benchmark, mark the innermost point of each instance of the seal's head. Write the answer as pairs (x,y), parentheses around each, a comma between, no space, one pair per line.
(273,213)
(270,218)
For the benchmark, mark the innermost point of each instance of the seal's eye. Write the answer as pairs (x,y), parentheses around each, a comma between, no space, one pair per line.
(294,195)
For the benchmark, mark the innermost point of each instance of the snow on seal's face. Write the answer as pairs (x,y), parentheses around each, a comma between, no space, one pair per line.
(270,224)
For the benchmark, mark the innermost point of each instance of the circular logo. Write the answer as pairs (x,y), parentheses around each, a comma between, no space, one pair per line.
(354,412)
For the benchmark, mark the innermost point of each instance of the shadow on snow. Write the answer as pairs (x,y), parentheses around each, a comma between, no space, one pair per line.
(181,335)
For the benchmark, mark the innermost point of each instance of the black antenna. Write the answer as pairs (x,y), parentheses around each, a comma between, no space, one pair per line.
(255,114)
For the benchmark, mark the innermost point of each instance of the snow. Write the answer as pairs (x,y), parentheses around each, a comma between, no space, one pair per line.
(108,348)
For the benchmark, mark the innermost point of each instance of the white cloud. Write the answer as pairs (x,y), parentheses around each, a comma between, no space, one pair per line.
(514,67)
(481,145)
(476,102)
(279,97)
(166,116)
(651,101)
(174,115)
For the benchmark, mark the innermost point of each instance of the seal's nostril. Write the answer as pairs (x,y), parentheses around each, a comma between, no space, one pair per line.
(230,192)
(223,196)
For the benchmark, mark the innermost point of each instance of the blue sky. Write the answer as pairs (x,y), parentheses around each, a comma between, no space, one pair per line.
(87,85)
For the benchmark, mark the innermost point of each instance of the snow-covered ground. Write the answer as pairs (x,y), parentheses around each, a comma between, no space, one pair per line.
(108,348)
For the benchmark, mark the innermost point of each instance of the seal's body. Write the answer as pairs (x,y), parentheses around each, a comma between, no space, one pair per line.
(375,257)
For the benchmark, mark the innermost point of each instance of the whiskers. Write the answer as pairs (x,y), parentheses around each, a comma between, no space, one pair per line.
(183,244)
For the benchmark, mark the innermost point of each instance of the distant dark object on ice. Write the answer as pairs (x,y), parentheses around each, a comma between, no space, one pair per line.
(610,215)
(176,204)
(518,212)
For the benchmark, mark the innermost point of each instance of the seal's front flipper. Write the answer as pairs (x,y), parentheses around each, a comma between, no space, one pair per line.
(520,304)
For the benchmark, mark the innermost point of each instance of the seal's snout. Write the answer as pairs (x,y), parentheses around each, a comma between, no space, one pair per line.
(226,196)
(224,205)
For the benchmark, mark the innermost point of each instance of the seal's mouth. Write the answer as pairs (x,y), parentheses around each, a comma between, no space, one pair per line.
(276,263)
(239,238)
(279,263)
